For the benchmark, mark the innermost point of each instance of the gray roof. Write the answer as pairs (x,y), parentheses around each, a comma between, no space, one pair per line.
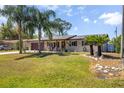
(79,37)
(65,37)
(83,36)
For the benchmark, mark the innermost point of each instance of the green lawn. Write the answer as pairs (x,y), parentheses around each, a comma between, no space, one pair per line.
(49,70)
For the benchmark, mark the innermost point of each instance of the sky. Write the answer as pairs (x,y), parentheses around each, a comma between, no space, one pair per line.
(88,19)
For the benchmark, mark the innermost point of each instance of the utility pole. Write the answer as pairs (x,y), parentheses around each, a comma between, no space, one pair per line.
(116,39)
(122,37)
(116,32)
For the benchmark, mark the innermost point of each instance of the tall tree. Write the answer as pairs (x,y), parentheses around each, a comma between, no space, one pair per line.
(62,26)
(29,26)
(19,16)
(8,32)
(16,14)
(43,24)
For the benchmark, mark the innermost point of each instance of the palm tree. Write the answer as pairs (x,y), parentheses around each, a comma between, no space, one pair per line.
(28,19)
(42,23)
(16,14)
(7,32)
(90,40)
(62,26)
(100,40)
(29,26)
(20,15)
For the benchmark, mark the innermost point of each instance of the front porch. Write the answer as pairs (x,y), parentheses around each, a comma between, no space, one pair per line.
(55,45)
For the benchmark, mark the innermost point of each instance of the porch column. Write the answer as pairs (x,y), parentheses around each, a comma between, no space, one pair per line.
(60,45)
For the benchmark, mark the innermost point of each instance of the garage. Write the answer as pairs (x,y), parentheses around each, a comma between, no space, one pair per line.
(34,46)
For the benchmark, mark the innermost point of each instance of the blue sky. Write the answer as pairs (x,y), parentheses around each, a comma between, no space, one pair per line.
(90,19)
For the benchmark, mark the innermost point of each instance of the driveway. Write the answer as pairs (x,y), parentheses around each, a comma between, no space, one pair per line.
(4,53)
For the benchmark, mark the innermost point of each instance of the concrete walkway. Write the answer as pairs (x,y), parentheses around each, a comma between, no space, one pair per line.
(27,51)
(4,53)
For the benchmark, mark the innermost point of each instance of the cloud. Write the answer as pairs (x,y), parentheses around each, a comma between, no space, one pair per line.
(111,18)
(75,28)
(95,21)
(68,6)
(52,7)
(68,12)
(81,8)
(1,6)
(86,20)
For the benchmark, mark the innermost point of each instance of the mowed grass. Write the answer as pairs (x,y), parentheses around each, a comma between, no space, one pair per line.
(49,70)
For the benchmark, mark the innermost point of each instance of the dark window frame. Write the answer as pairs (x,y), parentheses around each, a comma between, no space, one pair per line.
(74,43)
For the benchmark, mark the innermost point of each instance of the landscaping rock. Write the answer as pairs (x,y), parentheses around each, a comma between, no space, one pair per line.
(97,65)
(96,59)
(99,69)
(110,74)
(113,68)
(100,66)
(106,67)
(105,71)
(101,57)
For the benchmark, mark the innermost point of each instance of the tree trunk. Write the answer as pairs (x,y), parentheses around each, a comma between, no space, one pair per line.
(39,39)
(20,38)
(91,50)
(99,51)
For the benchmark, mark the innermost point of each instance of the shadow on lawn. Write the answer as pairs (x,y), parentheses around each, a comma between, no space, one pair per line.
(111,57)
(38,55)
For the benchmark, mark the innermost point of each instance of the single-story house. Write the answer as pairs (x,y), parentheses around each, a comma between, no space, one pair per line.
(71,43)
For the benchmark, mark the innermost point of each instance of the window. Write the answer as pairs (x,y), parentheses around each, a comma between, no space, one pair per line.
(69,43)
(74,43)
(82,43)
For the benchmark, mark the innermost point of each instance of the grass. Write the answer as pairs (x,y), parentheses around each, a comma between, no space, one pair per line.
(49,70)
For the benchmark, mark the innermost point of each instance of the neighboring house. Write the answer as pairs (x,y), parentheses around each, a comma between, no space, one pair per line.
(11,43)
(70,43)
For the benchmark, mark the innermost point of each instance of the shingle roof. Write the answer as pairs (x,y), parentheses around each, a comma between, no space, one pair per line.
(83,36)
(78,37)
(8,41)
(65,37)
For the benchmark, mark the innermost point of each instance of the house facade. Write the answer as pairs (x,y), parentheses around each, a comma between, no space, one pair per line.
(69,43)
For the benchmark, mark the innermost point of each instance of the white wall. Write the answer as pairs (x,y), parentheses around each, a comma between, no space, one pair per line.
(78,48)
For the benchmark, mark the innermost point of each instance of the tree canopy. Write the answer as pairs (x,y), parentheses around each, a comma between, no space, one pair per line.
(27,19)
